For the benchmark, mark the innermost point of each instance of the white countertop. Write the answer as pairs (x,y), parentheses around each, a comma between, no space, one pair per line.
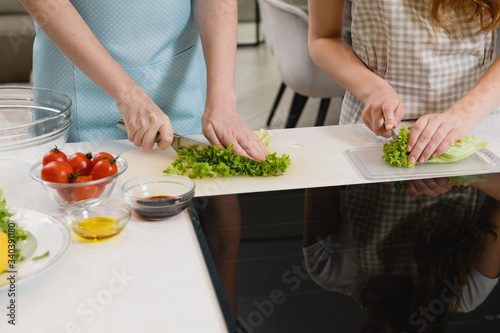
(166,285)
(152,277)
(318,156)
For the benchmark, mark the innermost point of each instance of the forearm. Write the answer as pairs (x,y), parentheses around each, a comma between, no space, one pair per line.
(69,32)
(218,24)
(333,55)
(482,99)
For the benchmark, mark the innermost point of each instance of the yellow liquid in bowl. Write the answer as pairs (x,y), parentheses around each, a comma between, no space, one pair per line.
(98,228)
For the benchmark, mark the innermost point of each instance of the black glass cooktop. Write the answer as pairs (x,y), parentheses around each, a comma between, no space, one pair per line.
(405,256)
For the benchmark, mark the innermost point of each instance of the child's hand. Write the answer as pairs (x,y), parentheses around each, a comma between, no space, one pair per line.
(429,187)
(433,134)
(383,111)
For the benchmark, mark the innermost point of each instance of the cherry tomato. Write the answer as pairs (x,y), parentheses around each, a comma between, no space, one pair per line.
(65,194)
(99,156)
(104,168)
(56,172)
(81,163)
(54,155)
(85,191)
(100,189)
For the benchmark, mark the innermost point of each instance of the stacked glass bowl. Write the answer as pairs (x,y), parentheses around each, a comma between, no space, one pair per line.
(32,121)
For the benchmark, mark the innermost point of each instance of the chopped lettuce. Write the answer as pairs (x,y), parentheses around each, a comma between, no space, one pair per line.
(462,148)
(463,181)
(264,137)
(213,161)
(394,154)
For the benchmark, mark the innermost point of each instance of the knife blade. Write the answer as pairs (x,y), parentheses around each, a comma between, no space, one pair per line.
(395,138)
(178,141)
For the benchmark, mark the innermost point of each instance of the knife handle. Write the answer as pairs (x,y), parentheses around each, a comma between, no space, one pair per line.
(121,125)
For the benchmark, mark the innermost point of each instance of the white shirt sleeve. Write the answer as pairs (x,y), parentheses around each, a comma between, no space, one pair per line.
(333,263)
(476,291)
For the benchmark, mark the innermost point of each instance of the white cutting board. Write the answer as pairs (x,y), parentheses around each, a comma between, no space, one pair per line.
(308,169)
(369,163)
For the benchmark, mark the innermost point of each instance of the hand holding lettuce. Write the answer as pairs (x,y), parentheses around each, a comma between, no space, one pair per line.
(214,161)
(462,148)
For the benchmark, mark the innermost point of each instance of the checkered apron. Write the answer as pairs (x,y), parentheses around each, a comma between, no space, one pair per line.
(383,222)
(430,72)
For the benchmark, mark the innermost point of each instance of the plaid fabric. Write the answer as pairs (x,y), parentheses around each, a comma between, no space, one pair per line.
(395,40)
(383,222)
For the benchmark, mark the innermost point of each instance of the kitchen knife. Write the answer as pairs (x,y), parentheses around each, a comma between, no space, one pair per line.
(395,138)
(179,140)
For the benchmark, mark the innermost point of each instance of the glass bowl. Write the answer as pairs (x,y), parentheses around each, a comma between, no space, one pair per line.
(98,219)
(156,197)
(32,121)
(60,193)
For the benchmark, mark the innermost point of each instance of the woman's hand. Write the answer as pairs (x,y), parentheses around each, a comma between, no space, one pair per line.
(430,187)
(383,111)
(433,134)
(222,126)
(144,119)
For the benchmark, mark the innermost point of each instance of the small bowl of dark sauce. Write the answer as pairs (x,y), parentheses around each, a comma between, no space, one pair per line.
(157,197)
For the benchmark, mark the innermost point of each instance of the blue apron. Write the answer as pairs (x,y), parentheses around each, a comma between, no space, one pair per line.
(157,43)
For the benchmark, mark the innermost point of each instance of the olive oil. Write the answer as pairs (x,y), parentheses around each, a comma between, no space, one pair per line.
(98,228)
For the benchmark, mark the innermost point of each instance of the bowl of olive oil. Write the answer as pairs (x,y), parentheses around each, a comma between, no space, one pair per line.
(98,219)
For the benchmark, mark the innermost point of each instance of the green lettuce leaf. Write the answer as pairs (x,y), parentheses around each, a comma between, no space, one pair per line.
(213,161)
(462,148)
(264,137)
(393,154)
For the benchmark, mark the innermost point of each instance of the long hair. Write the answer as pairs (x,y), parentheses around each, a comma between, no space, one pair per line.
(445,252)
(486,13)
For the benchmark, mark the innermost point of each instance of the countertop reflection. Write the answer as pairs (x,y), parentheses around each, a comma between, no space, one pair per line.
(409,256)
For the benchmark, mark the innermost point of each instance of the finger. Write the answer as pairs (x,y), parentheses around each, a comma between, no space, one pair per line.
(209,133)
(254,148)
(379,125)
(434,143)
(388,114)
(375,121)
(445,144)
(228,139)
(410,187)
(434,189)
(149,139)
(443,182)
(422,187)
(423,141)
(398,114)
(415,132)
(438,186)
(138,136)
(131,131)
(166,134)
(237,149)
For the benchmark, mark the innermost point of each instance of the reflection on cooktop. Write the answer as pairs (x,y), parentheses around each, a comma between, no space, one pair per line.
(414,256)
